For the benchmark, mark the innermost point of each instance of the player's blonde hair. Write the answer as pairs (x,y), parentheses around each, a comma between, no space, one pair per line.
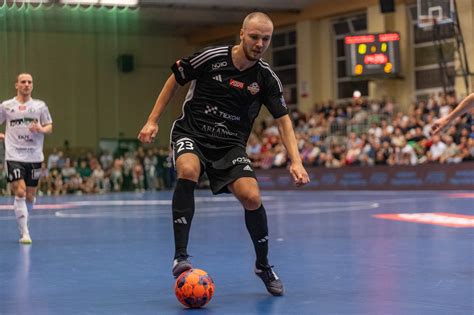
(256,15)
(20,74)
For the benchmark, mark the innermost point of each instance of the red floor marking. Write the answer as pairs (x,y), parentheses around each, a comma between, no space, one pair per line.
(435,218)
(461,195)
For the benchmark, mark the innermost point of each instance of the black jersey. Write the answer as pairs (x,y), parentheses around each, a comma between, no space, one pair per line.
(223,102)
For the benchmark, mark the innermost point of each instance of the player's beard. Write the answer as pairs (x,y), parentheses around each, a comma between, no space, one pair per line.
(250,55)
(26,92)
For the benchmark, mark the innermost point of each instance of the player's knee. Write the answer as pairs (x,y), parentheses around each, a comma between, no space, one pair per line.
(188,172)
(251,201)
(20,192)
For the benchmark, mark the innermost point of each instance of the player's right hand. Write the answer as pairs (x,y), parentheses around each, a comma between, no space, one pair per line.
(2,136)
(148,132)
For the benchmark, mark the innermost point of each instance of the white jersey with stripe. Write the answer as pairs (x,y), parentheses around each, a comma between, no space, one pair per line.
(21,144)
(223,102)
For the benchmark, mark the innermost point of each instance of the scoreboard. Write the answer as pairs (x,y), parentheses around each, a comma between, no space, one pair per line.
(373,55)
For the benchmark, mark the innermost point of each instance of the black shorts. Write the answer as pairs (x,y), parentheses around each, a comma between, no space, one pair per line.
(29,172)
(222,165)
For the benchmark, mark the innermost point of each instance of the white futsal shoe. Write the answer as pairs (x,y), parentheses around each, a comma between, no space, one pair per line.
(25,239)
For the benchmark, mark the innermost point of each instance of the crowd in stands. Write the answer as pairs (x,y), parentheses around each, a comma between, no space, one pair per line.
(362,132)
(88,173)
(359,132)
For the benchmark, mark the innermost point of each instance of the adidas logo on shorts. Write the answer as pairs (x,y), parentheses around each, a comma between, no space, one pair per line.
(248,168)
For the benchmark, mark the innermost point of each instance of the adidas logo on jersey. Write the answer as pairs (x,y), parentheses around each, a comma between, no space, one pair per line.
(217,78)
(181,220)
(248,168)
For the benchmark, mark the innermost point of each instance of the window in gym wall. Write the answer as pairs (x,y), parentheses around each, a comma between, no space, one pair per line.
(284,62)
(428,77)
(342,27)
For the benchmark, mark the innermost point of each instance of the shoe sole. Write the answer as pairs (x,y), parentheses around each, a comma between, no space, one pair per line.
(181,269)
(279,293)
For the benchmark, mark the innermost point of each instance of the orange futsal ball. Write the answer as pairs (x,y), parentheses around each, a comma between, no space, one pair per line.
(194,288)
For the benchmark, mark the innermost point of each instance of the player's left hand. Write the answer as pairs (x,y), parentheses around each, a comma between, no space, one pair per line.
(35,127)
(439,125)
(2,136)
(299,174)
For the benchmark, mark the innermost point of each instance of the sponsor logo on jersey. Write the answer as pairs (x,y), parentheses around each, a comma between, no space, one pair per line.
(215,111)
(22,121)
(253,88)
(218,130)
(180,69)
(219,65)
(241,160)
(217,78)
(210,109)
(236,84)
(25,138)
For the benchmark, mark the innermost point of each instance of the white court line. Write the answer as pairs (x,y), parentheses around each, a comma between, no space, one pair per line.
(114,203)
(275,206)
(153,202)
(36,216)
(42,206)
(301,209)
(410,199)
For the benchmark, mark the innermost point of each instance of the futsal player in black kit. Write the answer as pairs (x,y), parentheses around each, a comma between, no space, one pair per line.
(228,86)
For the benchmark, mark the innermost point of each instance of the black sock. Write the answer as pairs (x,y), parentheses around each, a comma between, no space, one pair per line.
(256,222)
(183,212)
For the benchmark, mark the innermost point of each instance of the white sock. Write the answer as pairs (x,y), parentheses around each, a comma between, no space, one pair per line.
(21,213)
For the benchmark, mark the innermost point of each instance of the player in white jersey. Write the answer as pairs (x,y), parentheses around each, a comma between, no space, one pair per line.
(27,121)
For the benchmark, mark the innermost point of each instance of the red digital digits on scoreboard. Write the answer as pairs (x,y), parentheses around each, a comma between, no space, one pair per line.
(389,37)
(359,39)
(375,59)
(376,55)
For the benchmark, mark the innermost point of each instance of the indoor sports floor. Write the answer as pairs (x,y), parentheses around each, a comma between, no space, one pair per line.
(337,252)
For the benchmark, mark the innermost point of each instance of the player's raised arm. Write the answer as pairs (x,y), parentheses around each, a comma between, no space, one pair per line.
(150,129)
(463,107)
(298,172)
